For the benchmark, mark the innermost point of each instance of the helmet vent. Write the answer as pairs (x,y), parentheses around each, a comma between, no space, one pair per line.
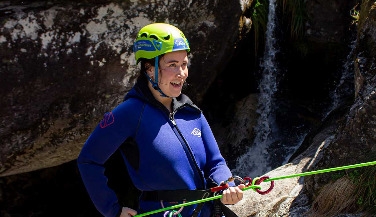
(167,37)
(144,35)
(155,37)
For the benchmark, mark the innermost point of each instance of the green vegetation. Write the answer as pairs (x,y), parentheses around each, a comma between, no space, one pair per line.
(293,16)
(354,14)
(294,12)
(259,17)
(365,180)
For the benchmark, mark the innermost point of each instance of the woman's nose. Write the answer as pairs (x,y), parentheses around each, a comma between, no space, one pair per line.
(181,72)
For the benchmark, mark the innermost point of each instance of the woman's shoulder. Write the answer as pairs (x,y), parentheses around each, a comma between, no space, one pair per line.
(131,104)
(183,101)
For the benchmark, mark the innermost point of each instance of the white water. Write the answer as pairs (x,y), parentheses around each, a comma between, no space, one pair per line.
(342,89)
(254,162)
(269,149)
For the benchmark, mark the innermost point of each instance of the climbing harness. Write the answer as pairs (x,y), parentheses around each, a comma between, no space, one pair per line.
(249,184)
(216,192)
(172,213)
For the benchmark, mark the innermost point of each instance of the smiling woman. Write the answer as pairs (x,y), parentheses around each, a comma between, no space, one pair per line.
(166,143)
(170,83)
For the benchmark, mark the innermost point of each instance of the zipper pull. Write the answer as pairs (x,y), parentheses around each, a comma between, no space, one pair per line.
(172,118)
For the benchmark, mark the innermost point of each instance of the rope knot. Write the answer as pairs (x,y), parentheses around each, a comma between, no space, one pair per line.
(255,184)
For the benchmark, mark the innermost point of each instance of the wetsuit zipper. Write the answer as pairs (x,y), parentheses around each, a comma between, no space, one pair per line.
(187,149)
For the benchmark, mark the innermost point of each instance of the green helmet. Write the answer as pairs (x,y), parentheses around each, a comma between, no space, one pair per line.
(159,38)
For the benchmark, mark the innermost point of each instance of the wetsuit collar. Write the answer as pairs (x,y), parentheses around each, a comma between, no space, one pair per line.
(142,91)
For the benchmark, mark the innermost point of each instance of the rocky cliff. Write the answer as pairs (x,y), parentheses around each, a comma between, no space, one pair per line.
(63,64)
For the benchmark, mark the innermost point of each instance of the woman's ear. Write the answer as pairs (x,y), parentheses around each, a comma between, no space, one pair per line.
(150,71)
(148,68)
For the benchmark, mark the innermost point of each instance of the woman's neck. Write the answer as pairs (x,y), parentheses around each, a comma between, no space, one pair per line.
(166,101)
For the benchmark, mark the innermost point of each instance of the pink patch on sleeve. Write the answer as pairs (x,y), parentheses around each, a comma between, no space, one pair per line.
(107,120)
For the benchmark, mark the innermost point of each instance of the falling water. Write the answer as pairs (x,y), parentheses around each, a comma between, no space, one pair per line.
(270,148)
(345,84)
(254,162)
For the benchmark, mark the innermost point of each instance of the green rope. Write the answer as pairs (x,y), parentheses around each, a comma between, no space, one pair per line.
(323,171)
(258,187)
(185,204)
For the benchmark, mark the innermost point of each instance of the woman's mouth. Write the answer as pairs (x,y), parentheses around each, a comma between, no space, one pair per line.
(176,84)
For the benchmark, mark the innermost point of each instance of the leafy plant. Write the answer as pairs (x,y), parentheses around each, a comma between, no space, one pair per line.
(259,17)
(295,13)
(366,193)
(365,181)
(355,14)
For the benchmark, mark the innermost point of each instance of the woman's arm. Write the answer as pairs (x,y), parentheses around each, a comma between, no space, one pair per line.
(111,132)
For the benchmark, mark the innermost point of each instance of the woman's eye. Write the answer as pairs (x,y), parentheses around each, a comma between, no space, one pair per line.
(172,65)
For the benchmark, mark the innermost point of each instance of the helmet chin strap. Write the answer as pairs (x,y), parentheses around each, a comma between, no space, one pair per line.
(155,82)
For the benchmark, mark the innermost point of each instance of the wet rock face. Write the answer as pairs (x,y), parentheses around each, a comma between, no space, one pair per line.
(63,64)
(355,137)
(359,129)
(328,20)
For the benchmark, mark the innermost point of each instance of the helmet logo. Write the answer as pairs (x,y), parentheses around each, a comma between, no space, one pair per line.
(143,45)
(157,44)
(180,44)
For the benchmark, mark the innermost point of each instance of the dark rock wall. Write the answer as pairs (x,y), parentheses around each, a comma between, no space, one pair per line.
(64,63)
(57,80)
(355,137)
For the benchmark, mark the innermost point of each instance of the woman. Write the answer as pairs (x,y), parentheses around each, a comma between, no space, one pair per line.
(166,142)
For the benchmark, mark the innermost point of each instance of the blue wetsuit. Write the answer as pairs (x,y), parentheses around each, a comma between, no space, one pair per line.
(169,151)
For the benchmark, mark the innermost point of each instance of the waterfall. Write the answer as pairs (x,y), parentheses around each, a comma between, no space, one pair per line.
(255,161)
(346,82)
(273,147)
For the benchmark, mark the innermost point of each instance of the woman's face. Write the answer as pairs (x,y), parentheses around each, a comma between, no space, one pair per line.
(173,71)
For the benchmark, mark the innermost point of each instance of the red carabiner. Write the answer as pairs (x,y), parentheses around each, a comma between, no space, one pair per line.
(249,183)
(221,187)
(258,181)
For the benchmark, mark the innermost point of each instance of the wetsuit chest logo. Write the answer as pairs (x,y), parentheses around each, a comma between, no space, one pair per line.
(196,132)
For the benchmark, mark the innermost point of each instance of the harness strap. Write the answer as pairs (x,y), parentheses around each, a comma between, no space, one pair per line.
(200,205)
(177,195)
(188,195)
(173,195)
(226,211)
